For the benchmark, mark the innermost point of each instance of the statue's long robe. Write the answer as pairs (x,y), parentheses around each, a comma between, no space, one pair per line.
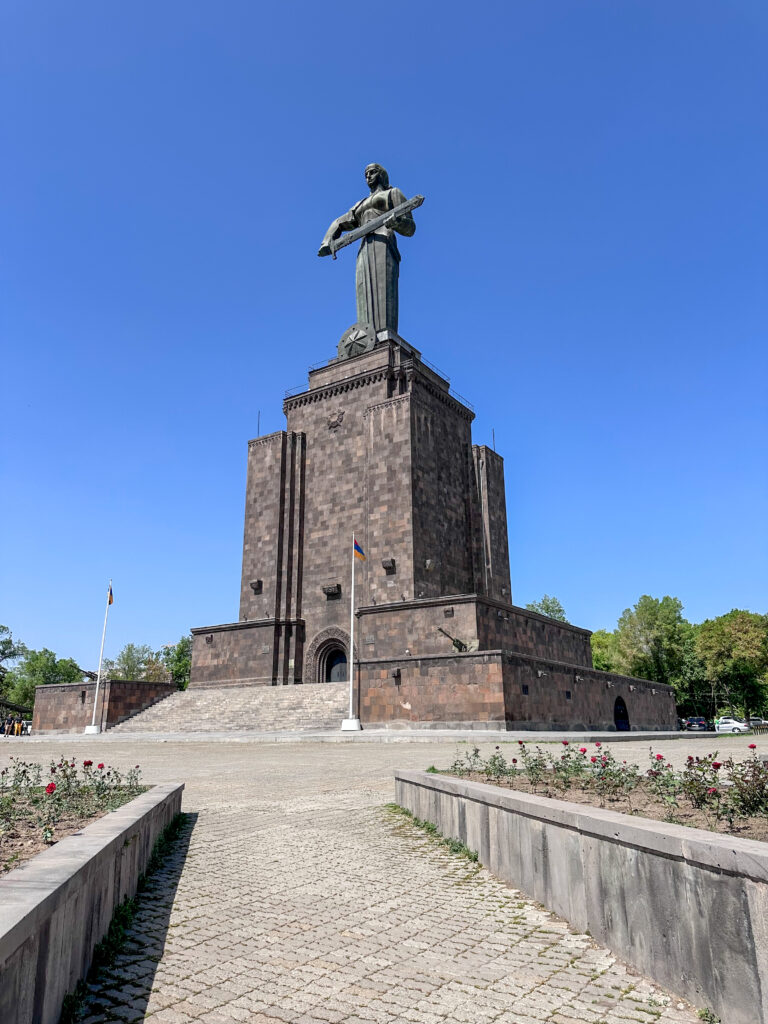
(378,260)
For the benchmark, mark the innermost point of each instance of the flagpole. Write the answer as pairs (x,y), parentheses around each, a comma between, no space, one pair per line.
(352,633)
(353,722)
(93,728)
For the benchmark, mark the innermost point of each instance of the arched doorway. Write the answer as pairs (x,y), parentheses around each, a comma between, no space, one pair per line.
(621,715)
(333,665)
(326,657)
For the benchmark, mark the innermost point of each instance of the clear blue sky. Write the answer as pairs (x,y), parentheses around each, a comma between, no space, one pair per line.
(589,269)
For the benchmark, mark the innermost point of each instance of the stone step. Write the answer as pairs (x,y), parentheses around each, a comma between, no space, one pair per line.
(250,708)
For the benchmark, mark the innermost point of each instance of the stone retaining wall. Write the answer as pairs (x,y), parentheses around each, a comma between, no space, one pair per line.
(68,707)
(688,908)
(55,908)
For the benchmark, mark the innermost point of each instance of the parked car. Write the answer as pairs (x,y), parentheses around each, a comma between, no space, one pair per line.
(758,721)
(731,725)
(697,724)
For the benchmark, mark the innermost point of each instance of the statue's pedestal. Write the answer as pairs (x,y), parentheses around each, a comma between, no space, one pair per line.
(378,445)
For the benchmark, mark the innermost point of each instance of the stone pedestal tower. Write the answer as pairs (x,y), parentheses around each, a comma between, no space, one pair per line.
(379,445)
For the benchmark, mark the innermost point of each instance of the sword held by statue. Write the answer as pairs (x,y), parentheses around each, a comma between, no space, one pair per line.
(373,225)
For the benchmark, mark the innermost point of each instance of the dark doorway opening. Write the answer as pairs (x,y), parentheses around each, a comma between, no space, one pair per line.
(335,666)
(621,715)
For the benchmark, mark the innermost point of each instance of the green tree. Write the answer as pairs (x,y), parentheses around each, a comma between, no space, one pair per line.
(39,668)
(604,651)
(135,661)
(694,691)
(734,649)
(651,640)
(10,650)
(548,606)
(177,659)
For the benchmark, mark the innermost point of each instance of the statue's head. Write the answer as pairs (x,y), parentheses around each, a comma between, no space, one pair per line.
(376,177)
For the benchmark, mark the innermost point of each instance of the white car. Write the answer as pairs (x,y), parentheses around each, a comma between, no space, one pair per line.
(731,725)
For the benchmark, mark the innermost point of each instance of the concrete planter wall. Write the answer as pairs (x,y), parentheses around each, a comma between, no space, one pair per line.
(55,908)
(688,908)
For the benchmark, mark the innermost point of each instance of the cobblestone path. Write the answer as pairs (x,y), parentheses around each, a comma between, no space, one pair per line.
(293,895)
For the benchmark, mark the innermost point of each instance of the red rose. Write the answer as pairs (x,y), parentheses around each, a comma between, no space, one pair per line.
(100,765)
(753,746)
(50,788)
(593,759)
(711,790)
(582,750)
(87,764)
(598,744)
(565,743)
(717,764)
(514,760)
(53,770)
(659,757)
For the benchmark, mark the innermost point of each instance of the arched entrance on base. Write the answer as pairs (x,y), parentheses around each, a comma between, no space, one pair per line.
(621,715)
(326,658)
(333,665)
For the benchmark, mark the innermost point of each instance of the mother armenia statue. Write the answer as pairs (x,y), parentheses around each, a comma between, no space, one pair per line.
(376,219)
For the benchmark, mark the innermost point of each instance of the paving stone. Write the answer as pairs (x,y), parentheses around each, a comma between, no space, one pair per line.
(293,897)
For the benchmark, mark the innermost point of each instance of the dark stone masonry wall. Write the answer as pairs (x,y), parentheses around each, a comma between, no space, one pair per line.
(492,576)
(517,629)
(69,708)
(378,444)
(461,690)
(562,696)
(490,687)
(235,654)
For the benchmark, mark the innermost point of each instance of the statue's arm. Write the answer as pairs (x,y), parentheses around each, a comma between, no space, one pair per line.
(404,225)
(346,222)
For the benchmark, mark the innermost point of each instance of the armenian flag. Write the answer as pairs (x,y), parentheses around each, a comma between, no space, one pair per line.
(358,551)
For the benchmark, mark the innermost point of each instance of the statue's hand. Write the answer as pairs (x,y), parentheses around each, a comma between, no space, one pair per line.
(390,222)
(324,250)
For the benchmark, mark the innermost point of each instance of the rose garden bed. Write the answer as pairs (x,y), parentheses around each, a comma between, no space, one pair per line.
(40,805)
(719,795)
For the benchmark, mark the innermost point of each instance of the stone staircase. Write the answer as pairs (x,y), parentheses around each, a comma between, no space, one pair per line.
(245,709)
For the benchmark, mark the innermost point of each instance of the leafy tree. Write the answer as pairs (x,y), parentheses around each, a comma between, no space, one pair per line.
(548,606)
(694,691)
(651,640)
(135,661)
(604,651)
(734,649)
(177,659)
(139,661)
(39,668)
(10,650)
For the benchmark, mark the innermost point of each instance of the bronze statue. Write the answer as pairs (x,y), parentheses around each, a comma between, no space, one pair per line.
(375,219)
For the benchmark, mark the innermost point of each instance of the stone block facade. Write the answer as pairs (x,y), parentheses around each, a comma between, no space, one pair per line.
(68,708)
(498,689)
(379,445)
